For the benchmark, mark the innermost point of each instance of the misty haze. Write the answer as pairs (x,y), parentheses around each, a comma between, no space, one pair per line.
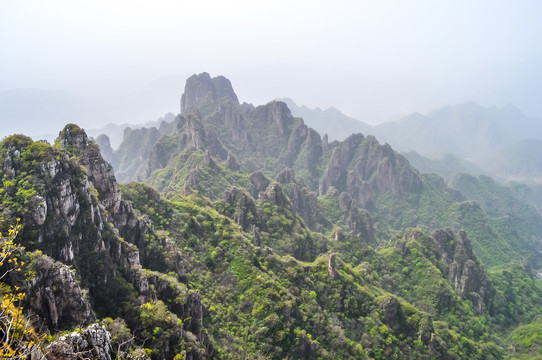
(282,180)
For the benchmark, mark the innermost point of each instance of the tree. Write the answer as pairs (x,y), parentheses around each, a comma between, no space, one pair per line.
(17,336)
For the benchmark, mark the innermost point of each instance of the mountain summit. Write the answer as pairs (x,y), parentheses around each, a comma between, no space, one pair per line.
(203,92)
(259,239)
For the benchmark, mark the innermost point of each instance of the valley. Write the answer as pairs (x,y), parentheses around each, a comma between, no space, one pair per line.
(236,231)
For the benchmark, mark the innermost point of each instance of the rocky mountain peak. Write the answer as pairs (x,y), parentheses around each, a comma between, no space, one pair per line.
(73,135)
(286,176)
(465,273)
(258,184)
(104,143)
(278,113)
(203,92)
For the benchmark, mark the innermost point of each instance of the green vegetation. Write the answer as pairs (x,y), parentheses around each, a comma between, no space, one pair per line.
(211,260)
(525,342)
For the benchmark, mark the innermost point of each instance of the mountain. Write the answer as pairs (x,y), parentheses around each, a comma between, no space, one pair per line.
(465,130)
(253,237)
(331,121)
(447,166)
(217,146)
(187,280)
(465,138)
(115,133)
(520,161)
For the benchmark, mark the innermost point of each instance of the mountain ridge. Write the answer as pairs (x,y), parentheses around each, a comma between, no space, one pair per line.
(263,240)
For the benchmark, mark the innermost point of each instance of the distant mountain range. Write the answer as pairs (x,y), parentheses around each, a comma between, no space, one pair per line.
(330,121)
(519,161)
(39,112)
(465,130)
(250,235)
(500,141)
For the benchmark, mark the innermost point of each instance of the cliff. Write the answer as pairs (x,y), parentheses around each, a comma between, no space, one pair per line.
(80,220)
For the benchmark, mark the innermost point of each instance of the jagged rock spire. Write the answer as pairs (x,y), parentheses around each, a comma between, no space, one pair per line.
(201,92)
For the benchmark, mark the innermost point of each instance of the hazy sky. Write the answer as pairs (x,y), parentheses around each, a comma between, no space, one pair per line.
(370,59)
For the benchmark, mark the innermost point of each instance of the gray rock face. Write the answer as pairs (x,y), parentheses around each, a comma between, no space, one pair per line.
(363,168)
(133,153)
(358,220)
(199,136)
(39,213)
(335,173)
(332,266)
(120,213)
(465,273)
(278,113)
(105,148)
(304,201)
(72,135)
(246,212)
(391,311)
(286,176)
(275,195)
(56,295)
(230,116)
(258,183)
(100,173)
(202,91)
(311,151)
(94,342)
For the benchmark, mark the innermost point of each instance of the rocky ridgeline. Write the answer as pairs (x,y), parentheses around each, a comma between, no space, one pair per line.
(452,254)
(78,219)
(213,121)
(465,273)
(241,138)
(201,91)
(281,246)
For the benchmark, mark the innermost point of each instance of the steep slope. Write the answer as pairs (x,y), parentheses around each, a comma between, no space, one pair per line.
(260,272)
(276,306)
(263,240)
(215,147)
(513,217)
(74,215)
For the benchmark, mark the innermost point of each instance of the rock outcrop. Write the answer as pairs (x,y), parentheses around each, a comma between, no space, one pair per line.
(240,207)
(391,312)
(105,148)
(258,184)
(464,271)
(131,227)
(304,201)
(203,92)
(364,168)
(55,294)
(80,222)
(358,220)
(134,152)
(93,342)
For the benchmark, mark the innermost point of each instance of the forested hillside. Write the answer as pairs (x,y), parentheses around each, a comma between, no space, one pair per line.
(239,232)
